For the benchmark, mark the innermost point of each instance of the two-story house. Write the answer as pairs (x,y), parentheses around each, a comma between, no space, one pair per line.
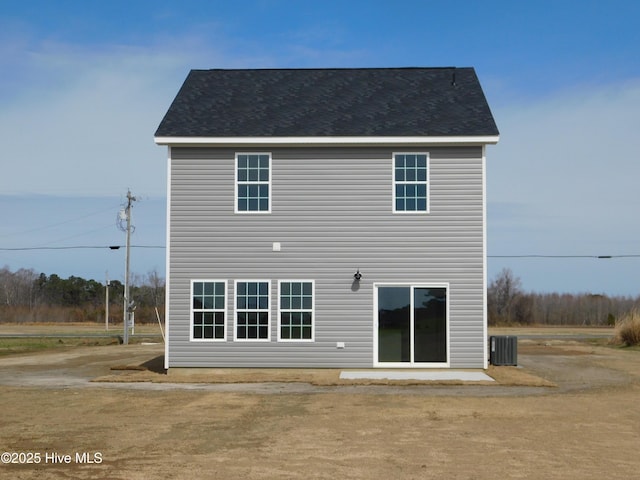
(327,218)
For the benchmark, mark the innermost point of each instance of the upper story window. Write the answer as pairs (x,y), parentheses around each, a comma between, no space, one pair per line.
(411,182)
(253,183)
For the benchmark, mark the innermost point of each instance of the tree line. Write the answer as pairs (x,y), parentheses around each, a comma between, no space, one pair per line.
(508,304)
(28,296)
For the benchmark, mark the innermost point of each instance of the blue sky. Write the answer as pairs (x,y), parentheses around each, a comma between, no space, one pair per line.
(85,84)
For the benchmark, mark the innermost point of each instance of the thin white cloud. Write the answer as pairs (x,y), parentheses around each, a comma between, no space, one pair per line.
(90,129)
(571,156)
(80,119)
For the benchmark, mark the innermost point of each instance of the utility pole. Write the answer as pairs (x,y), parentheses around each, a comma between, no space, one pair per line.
(128,304)
(106,303)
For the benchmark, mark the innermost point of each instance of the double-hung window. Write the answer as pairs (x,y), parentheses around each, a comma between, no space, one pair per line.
(252,310)
(253,183)
(410,183)
(296,311)
(208,310)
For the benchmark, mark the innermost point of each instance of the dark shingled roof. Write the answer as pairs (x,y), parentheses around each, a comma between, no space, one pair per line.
(329,102)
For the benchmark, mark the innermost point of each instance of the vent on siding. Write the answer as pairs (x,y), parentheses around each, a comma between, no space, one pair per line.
(503,350)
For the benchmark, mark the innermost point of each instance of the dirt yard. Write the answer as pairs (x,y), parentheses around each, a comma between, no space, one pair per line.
(274,426)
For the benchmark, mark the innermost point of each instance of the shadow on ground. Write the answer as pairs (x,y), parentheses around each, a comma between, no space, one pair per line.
(155,365)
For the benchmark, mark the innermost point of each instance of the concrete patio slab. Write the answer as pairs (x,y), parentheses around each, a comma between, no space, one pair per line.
(438,375)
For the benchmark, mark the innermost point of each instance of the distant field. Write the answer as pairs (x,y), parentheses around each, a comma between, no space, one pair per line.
(95,334)
(148,328)
(74,328)
(32,337)
(552,330)
(12,346)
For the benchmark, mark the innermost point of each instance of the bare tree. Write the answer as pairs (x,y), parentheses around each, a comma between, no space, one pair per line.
(502,297)
(156,284)
(17,288)
(148,290)
(6,286)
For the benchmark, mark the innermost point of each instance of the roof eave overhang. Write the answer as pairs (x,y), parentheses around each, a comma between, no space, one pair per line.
(326,141)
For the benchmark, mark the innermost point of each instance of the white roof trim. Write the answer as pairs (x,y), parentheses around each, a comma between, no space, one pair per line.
(344,141)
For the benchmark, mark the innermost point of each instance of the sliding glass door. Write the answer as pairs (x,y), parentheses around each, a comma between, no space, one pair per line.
(411,324)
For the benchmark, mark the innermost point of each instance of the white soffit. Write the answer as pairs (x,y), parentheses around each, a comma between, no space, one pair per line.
(336,141)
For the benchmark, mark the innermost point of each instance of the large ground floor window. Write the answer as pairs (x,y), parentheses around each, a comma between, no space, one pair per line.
(412,324)
(252,310)
(208,312)
(296,310)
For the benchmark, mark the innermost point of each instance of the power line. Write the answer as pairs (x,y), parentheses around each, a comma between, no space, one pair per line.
(116,247)
(78,247)
(565,256)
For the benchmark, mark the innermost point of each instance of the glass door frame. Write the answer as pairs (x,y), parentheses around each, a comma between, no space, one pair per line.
(411,364)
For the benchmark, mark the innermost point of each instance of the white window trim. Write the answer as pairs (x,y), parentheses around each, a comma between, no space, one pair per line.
(167,266)
(376,363)
(235,188)
(192,310)
(394,183)
(484,260)
(313,312)
(236,310)
(415,141)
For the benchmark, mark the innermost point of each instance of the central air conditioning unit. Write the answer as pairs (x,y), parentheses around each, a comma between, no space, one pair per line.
(503,350)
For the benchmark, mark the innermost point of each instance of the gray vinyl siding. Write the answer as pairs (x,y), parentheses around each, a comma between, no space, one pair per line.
(332,214)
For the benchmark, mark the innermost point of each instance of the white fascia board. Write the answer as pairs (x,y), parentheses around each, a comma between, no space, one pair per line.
(313,141)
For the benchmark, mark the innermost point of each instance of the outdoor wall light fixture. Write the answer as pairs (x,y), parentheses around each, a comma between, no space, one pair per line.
(357,275)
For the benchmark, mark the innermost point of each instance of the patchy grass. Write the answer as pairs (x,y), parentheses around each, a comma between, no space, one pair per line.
(11,346)
(133,373)
(46,336)
(628,329)
(86,328)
